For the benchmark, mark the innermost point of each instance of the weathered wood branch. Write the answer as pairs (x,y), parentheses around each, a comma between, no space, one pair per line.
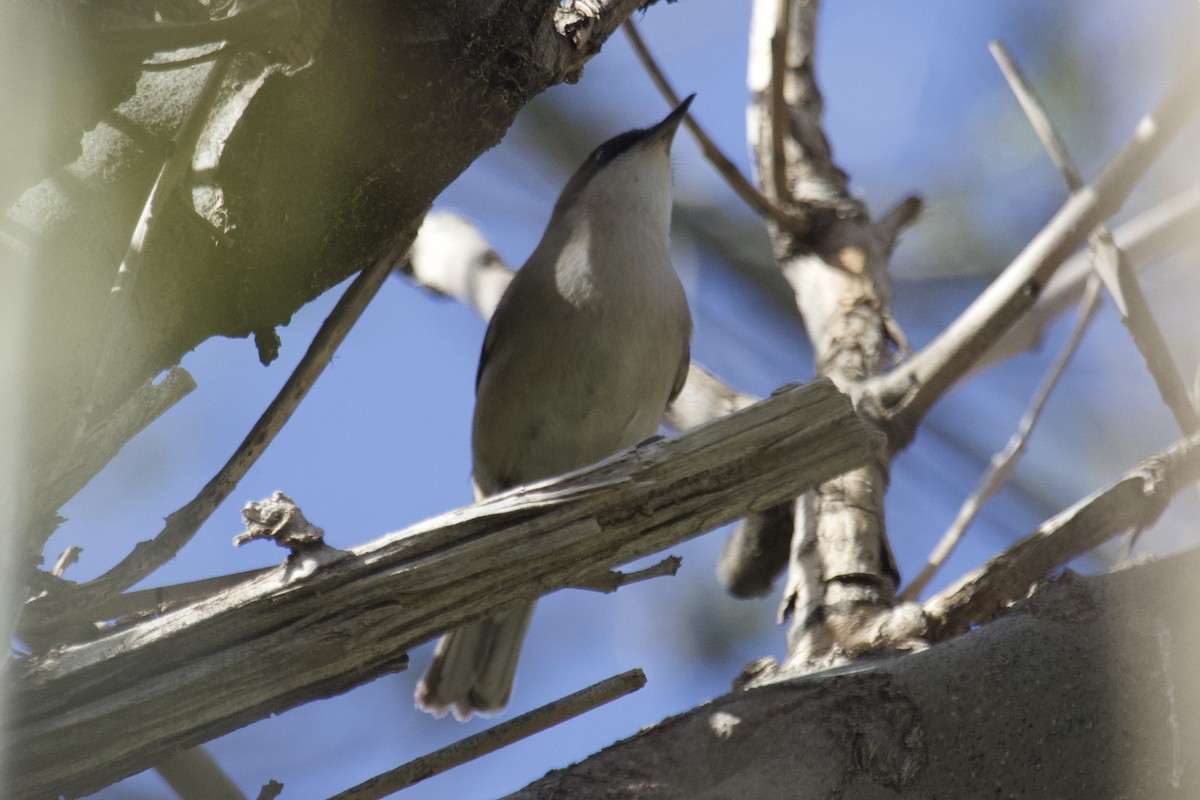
(1133,502)
(1088,689)
(89,714)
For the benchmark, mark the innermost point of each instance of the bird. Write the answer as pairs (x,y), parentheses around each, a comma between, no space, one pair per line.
(586,349)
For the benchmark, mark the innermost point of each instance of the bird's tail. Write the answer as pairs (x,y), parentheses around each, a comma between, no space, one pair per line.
(473,666)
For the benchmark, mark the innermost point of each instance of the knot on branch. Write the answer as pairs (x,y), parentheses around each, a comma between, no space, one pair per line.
(574,22)
(279,518)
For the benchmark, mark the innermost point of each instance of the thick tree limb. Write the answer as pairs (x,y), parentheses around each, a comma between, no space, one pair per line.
(321,162)
(92,713)
(1086,690)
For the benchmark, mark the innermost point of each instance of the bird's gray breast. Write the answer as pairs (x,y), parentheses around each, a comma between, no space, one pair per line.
(577,378)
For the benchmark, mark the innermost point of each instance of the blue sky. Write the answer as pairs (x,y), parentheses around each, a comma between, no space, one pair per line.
(914,104)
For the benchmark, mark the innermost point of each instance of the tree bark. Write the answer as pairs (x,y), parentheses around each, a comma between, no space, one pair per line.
(1088,689)
(327,129)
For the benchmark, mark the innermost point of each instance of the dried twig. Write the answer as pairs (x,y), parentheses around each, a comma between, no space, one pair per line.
(102,441)
(148,556)
(494,738)
(1136,500)
(88,718)
(1110,263)
(1001,467)
(612,580)
(907,392)
(738,182)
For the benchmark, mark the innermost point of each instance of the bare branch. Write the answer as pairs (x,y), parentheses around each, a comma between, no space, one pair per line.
(149,555)
(738,182)
(1109,262)
(1147,238)
(193,774)
(101,443)
(1135,501)
(1002,464)
(841,573)
(494,738)
(908,391)
(91,713)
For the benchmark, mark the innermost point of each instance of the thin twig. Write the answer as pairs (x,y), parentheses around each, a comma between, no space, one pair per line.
(907,392)
(1110,263)
(102,441)
(1001,466)
(738,182)
(1035,112)
(148,556)
(499,736)
(608,582)
(1134,501)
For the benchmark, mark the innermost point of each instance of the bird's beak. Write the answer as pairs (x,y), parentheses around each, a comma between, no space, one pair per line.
(665,130)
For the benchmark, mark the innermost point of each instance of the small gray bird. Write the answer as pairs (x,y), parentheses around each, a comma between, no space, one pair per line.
(586,349)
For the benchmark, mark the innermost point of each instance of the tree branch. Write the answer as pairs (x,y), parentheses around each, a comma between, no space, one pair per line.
(906,393)
(1110,263)
(300,189)
(92,713)
(841,571)
(502,735)
(1135,501)
(1165,228)
(1083,692)
(1001,465)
